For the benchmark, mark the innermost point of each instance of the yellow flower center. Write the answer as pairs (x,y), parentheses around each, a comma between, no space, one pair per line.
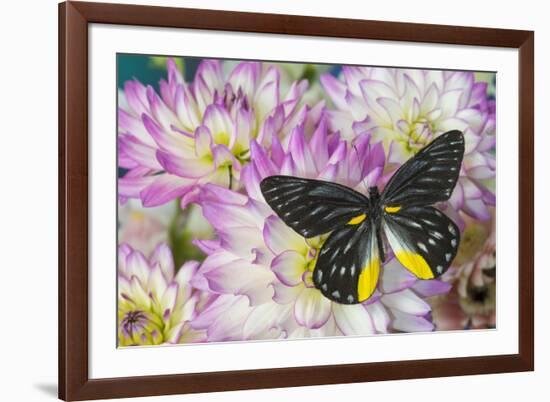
(138,326)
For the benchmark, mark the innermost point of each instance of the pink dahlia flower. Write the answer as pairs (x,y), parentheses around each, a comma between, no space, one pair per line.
(144,228)
(261,269)
(155,304)
(194,133)
(406,109)
(471,303)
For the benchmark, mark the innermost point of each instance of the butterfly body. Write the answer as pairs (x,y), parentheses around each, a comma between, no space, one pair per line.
(421,237)
(376,212)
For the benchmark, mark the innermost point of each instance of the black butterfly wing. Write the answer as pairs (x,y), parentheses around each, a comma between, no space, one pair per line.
(313,207)
(348,264)
(428,177)
(423,239)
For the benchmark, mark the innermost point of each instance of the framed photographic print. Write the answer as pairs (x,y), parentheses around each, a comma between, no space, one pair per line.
(260,200)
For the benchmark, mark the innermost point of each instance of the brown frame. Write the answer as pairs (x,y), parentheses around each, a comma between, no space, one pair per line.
(74,17)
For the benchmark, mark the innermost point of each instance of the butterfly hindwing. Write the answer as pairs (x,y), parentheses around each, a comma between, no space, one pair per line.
(423,239)
(313,207)
(428,177)
(348,265)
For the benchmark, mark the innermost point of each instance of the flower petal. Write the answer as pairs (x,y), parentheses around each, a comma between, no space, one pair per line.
(144,155)
(137,294)
(185,167)
(224,216)
(289,267)
(432,287)
(379,316)
(241,277)
(162,255)
(406,301)
(262,320)
(165,188)
(186,108)
(471,190)
(353,319)
(166,139)
(228,324)
(395,277)
(411,323)
(131,186)
(312,309)
(241,241)
(301,155)
(138,266)
(284,294)
(335,89)
(267,96)
(477,209)
(279,237)
(168,301)
(245,76)
(203,142)
(157,284)
(218,121)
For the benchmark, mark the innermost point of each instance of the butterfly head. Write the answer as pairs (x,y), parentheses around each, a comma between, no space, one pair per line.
(374,194)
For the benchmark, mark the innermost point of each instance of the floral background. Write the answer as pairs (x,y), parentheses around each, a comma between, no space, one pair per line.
(202,257)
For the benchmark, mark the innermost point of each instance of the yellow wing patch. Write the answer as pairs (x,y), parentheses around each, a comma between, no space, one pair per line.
(357,220)
(368,279)
(392,210)
(415,263)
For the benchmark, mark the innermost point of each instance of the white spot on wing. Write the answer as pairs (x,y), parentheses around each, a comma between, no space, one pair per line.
(319,275)
(453,242)
(452,230)
(336,294)
(422,246)
(448,256)
(431,241)
(439,269)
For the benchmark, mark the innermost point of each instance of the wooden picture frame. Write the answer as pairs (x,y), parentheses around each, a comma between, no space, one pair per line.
(74,381)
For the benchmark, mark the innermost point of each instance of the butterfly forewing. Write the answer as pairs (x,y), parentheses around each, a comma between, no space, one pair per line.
(313,207)
(423,239)
(428,177)
(347,266)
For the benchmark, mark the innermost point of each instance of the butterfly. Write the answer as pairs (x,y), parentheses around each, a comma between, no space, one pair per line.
(423,239)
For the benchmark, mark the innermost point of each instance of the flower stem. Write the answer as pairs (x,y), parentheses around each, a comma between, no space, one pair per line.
(230,169)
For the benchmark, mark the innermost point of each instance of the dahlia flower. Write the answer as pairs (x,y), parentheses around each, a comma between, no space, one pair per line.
(261,269)
(471,303)
(144,228)
(154,303)
(291,72)
(194,133)
(407,109)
